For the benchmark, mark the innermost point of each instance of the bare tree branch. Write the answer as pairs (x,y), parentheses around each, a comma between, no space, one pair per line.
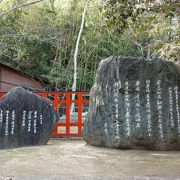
(18,6)
(136,43)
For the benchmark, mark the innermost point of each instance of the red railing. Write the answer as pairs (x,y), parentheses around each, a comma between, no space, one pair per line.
(69,125)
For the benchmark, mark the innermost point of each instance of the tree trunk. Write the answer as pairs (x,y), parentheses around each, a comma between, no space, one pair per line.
(76,53)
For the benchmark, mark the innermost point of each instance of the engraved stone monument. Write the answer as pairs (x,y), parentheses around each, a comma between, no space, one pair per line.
(25,119)
(135,104)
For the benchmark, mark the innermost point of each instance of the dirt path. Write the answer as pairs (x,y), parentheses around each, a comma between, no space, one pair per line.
(73,159)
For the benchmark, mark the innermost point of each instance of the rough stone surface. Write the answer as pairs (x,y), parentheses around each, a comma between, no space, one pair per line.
(135,104)
(25,119)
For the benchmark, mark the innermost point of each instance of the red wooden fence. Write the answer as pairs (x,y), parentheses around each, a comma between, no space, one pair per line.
(67,126)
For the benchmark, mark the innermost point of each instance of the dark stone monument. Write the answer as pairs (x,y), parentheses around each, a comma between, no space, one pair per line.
(26,119)
(135,104)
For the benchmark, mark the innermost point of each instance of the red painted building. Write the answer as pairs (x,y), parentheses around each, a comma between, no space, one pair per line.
(11,77)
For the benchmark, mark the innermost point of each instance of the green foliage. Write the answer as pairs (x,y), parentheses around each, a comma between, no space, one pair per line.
(40,39)
(153,24)
(118,12)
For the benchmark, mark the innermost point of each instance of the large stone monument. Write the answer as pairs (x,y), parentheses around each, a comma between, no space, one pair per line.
(25,119)
(135,104)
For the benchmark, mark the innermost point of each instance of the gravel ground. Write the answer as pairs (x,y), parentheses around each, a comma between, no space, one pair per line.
(74,159)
